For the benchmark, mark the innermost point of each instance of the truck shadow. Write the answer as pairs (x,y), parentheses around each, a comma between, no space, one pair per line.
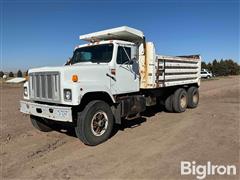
(65,128)
(68,129)
(153,110)
(134,123)
(150,111)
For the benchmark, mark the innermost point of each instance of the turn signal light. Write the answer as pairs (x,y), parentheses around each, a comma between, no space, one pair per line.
(74,78)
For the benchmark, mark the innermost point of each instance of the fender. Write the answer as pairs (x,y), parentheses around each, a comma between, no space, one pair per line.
(90,87)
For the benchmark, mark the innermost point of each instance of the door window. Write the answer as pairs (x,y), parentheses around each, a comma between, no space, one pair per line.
(123,55)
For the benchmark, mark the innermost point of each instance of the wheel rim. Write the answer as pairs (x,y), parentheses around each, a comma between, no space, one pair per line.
(195,98)
(183,101)
(99,123)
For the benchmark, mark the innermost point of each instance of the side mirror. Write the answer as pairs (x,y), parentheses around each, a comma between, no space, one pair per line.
(133,60)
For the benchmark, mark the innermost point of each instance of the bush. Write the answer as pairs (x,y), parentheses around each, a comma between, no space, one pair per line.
(222,67)
(11,74)
(204,65)
(1,74)
(19,73)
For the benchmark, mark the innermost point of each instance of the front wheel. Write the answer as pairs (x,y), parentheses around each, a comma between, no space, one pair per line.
(40,124)
(94,123)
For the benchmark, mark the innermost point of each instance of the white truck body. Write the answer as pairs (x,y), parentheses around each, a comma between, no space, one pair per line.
(129,77)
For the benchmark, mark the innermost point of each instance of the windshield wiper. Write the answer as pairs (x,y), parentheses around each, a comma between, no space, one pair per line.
(96,61)
(69,62)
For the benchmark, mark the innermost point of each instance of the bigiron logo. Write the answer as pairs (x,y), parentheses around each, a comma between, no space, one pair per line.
(202,171)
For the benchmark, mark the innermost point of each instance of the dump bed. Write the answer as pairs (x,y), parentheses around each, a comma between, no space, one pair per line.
(164,71)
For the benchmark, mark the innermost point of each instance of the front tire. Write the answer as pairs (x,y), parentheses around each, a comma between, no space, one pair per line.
(180,100)
(40,124)
(94,123)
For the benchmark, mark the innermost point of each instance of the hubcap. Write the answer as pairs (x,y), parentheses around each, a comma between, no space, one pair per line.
(99,123)
(183,101)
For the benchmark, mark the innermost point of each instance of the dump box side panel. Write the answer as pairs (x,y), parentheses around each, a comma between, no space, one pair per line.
(172,71)
(163,71)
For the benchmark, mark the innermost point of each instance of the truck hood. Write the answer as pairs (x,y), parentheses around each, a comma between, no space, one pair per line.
(84,71)
(63,68)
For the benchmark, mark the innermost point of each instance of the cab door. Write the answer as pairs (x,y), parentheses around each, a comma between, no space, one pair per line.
(127,70)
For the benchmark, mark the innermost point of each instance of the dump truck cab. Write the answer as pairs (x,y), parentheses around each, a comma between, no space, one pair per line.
(119,58)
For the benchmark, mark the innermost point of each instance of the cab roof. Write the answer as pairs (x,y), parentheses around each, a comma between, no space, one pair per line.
(104,42)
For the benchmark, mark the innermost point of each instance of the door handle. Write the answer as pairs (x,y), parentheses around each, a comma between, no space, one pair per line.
(113,78)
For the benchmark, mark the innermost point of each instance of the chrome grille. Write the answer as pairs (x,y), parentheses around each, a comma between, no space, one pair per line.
(45,86)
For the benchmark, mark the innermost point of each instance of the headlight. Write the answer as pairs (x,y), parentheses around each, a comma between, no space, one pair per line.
(67,94)
(25,91)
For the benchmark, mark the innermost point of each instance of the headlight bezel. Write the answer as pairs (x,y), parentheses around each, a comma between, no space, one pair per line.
(25,91)
(67,94)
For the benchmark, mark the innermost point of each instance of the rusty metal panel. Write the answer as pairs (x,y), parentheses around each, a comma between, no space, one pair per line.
(148,67)
(178,76)
(142,66)
(175,83)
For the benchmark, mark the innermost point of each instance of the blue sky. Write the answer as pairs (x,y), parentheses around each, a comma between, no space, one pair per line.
(38,33)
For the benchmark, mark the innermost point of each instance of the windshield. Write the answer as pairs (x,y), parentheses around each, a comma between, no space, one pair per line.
(95,54)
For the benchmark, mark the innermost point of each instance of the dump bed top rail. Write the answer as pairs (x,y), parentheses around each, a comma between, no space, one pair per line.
(180,58)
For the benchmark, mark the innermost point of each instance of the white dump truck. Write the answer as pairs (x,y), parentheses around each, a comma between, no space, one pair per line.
(112,78)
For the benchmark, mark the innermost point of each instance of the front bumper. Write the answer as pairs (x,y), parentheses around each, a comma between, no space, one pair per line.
(57,113)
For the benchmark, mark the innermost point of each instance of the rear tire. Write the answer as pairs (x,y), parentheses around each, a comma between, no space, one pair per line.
(180,100)
(193,97)
(94,123)
(169,103)
(40,124)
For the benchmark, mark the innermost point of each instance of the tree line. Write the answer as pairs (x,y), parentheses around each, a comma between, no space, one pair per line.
(222,68)
(11,74)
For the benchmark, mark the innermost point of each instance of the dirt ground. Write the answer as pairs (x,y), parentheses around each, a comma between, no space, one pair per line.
(147,148)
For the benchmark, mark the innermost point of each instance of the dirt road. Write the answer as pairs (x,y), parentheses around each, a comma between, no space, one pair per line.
(147,148)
